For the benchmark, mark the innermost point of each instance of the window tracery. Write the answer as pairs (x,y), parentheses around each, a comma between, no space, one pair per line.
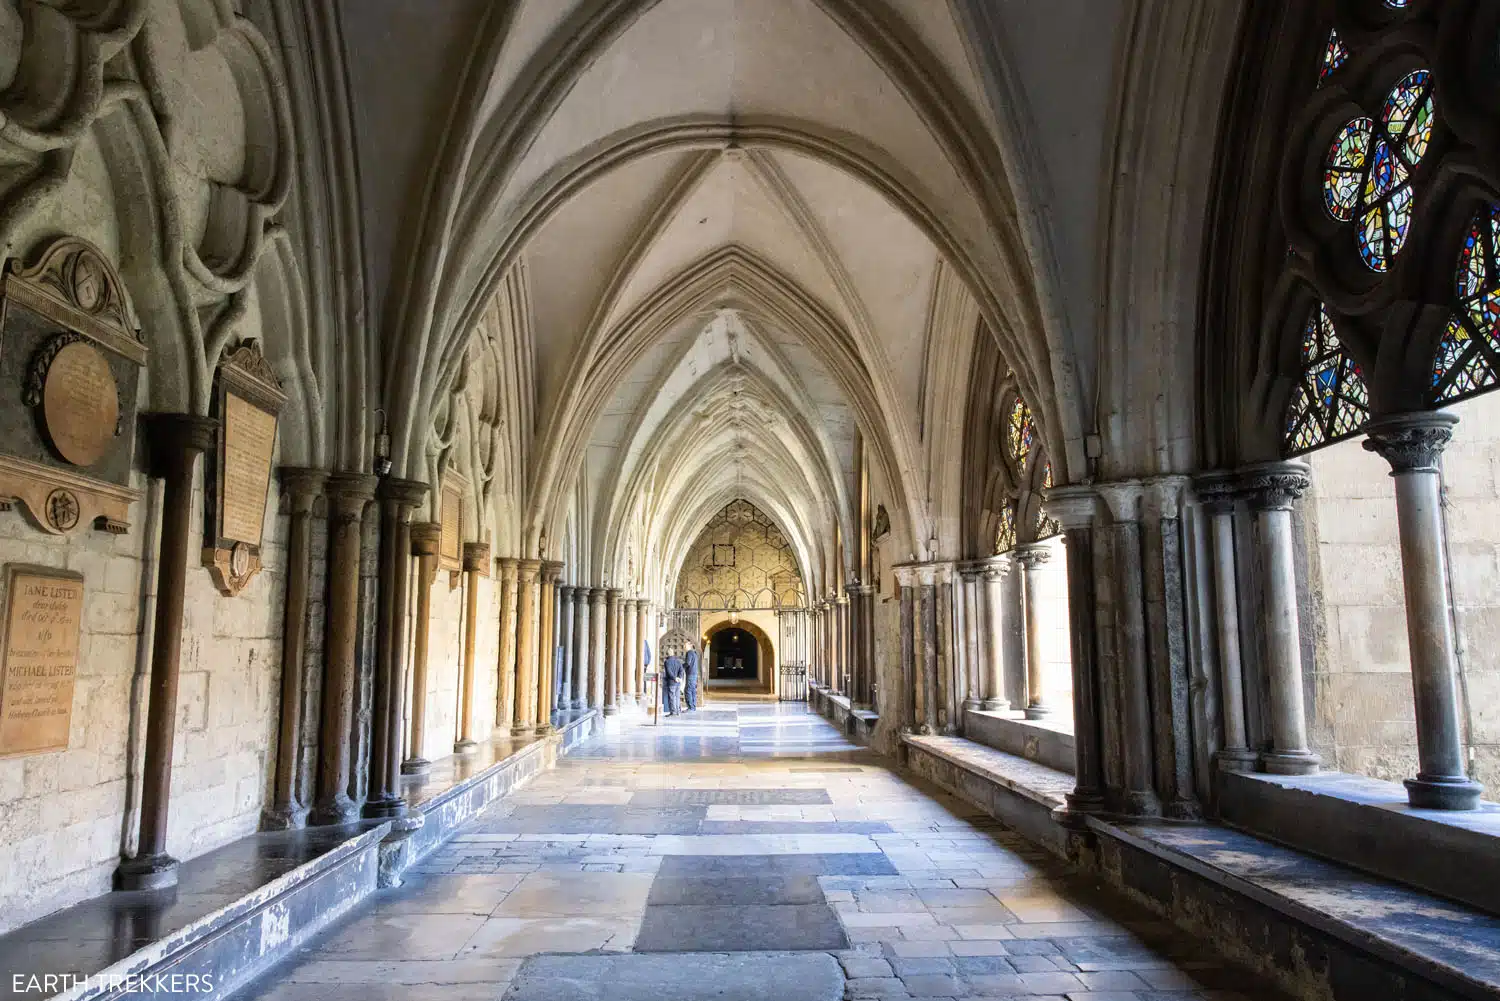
(1331,400)
(1468,354)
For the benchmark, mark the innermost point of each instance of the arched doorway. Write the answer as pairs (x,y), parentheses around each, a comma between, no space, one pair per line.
(739,657)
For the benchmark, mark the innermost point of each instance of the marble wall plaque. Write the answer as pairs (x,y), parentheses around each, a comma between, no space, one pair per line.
(249,446)
(80,403)
(450,551)
(44,613)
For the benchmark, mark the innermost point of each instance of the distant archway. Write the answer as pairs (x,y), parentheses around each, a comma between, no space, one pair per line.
(739,656)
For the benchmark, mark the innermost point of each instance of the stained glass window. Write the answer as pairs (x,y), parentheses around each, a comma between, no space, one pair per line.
(1020,432)
(1367,173)
(1047,476)
(1468,355)
(1331,400)
(1005,532)
(1335,54)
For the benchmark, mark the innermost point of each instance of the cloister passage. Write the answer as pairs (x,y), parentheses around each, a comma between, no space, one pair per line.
(749,851)
(1066,427)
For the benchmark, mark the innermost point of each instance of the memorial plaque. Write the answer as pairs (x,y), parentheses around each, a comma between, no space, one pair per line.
(44,613)
(249,446)
(450,541)
(80,404)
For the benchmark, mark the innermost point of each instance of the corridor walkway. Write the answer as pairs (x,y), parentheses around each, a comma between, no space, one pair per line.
(745,851)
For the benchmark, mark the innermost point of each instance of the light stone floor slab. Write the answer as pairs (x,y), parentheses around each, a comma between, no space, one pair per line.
(935,899)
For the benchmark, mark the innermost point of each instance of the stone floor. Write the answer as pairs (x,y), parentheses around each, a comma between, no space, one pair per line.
(745,851)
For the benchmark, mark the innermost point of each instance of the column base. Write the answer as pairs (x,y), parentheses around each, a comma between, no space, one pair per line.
(543,729)
(1443,792)
(1038,712)
(521,731)
(995,705)
(465,746)
(972,705)
(1289,762)
(385,807)
(1081,803)
(340,812)
(611,710)
(417,766)
(146,872)
(1235,759)
(579,704)
(1140,803)
(287,818)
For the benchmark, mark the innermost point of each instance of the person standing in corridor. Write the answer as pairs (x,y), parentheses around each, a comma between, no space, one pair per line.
(690,679)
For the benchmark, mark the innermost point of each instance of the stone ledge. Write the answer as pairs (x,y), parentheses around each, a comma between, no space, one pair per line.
(1011,789)
(1367,824)
(1046,741)
(1318,929)
(858,724)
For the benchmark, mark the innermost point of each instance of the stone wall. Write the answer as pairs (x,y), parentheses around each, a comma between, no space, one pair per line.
(741,560)
(1361,715)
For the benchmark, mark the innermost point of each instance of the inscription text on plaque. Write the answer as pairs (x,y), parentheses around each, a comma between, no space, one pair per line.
(44,612)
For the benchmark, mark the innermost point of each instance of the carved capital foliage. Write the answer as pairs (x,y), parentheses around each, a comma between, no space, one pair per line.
(1031,557)
(1218,491)
(1411,443)
(1274,486)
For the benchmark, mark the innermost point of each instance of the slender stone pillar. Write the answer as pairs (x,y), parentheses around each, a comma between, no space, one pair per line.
(1029,558)
(426,538)
(612,651)
(598,647)
(348,495)
(1272,488)
(302,487)
(1413,444)
(505,679)
(1074,509)
(582,634)
(527,606)
(842,649)
(969,582)
(994,572)
(1138,797)
(173,444)
(906,580)
(566,623)
(476,559)
(632,649)
(1218,495)
(643,636)
(397,499)
(547,666)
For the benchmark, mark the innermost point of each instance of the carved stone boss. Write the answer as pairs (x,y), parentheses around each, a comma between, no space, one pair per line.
(44,610)
(69,364)
(247,399)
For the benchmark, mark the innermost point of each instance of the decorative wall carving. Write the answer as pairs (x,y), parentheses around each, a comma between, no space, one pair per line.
(741,560)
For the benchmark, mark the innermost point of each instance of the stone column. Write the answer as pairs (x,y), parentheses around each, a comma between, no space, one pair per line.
(527,606)
(426,539)
(994,572)
(1030,557)
(302,487)
(1138,797)
(969,578)
(906,581)
(566,623)
(581,647)
(926,649)
(1413,444)
(1272,488)
(598,644)
(547,647)
(348,494)
(173,444)
(1074,508)
(643,636)
(476,559)
(845,648)
(612,651)
(631,660)
(505,680)
(1218,495)
(397,499)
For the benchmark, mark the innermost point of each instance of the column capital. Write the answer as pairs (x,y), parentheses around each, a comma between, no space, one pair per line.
(1072,506)
(995,568)
(553,569)
(403,493)
(1031,555)
(1411,443)
(426,538)
(1218,490)
(596,596)
(509,568)
(527,570)
(476,555)
(303,485)
(171,437)
(1275,486)
(348,493)
(613,594)
(565,591)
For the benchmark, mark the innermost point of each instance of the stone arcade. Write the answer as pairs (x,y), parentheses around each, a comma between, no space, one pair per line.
(1062,427)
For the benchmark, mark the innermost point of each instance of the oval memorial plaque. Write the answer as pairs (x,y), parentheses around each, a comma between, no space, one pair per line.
(80,404)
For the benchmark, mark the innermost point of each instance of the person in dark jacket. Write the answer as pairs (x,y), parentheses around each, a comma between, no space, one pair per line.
(673,669)
(690,679)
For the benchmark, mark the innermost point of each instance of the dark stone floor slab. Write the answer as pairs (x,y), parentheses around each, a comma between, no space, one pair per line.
(730,797)
(672,891)
(567,818)
(799,976)
(740,928)
(839,864)
(794,827)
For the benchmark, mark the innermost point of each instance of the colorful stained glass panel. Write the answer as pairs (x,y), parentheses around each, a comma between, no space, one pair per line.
(1468,354)
(1335,54)
(1331,400)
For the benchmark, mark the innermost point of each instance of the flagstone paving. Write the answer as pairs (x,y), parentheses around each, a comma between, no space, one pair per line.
(745,852)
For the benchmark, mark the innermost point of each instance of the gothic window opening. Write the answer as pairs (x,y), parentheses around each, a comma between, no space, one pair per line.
(1367,175)
(1005,531)
(1020,433)
(1331,400)
(1469,353)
